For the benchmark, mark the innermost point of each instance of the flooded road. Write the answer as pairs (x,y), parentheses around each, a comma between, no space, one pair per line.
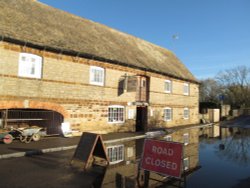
(225,160)
(214,157)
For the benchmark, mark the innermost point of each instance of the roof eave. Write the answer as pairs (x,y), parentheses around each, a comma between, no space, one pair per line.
(87,56)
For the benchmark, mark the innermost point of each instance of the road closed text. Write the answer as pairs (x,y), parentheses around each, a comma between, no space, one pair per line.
(160,163)
(162,151)
(162,157)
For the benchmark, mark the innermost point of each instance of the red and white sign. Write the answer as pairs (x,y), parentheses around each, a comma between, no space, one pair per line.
(162,157)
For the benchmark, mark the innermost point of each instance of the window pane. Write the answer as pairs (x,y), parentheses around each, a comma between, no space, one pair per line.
(186,163)
(30,65)
(168,86)
(186,138)
(186,113)
(116,114)
(120,152)
(32,70)
(167,114)
(115,153)
(96,75)
(186,89)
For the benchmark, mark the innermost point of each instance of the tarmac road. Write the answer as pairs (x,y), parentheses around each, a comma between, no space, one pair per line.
(47,170)
(48,142)
(241,122)
(53,144)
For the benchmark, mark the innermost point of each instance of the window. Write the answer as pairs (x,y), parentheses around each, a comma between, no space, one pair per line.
(186,139)
(96,76)
(186,113)
(186,89)
(115,153)
(30,65)
(186,163)
(168,86)
(167,114)
(116,114)
(168,138)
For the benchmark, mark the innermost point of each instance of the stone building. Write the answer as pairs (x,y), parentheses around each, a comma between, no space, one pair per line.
(56,67)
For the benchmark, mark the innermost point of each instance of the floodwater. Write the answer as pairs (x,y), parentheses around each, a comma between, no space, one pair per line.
(216,158)
(224,160)
(213,157)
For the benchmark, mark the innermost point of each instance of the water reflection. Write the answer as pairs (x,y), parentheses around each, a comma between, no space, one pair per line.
(224,157)
(213,157)
(123,164)
(125,157)
(235,145)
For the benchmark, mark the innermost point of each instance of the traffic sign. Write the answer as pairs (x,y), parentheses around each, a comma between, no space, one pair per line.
(162,157)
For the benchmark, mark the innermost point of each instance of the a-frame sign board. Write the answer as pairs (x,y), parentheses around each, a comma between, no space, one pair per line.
(90,145)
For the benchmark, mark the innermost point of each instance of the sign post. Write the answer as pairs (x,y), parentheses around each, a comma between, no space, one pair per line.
(162,157)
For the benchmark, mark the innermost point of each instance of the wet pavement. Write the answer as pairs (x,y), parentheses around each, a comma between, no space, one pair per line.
(57,142)
(242,122)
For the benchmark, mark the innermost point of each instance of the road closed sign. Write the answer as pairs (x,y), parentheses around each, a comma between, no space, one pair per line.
(162,157)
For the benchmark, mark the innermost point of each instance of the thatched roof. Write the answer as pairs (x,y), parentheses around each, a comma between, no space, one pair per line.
(34,23)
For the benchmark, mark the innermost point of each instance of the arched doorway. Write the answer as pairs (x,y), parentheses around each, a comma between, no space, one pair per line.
(48,119)
(33,113)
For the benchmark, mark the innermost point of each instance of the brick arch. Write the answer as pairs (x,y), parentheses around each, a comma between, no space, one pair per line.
(34,104)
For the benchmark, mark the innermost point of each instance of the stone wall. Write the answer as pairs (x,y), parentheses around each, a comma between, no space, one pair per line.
(65,82)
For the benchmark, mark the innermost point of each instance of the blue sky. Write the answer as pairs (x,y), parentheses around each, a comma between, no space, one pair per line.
(213,35)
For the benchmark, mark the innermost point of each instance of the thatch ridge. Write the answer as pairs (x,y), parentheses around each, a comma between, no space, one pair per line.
(39,24)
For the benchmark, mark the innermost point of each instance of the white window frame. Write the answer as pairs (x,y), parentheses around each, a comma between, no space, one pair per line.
(171,114)
(113,115)
(186,113)
(186,89)
(115,153)
(186,163)
(168,138)
(170,86)
(92,75)
(186,139)
(30,65)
